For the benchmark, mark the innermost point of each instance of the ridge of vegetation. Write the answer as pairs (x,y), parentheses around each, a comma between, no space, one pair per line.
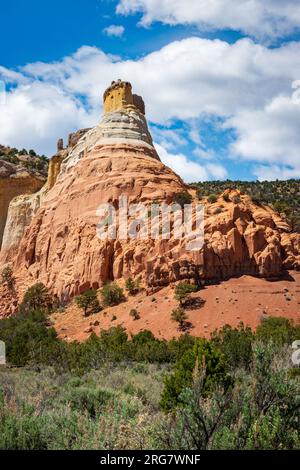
(282,196)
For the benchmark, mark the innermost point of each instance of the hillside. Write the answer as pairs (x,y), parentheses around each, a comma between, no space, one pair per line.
(23,160)
(21,172)
(282,196)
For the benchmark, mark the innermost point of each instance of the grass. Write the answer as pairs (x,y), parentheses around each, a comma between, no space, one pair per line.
(116,407)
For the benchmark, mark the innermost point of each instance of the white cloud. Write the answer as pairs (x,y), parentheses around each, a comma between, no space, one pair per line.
(273,172)
(189,170)
(185,79)
(270,134)
(35,116)
(263,19)
(114,30)
(246,84)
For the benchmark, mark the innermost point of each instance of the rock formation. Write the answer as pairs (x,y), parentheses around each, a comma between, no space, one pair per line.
(17,176)
(22,208)
(60,246)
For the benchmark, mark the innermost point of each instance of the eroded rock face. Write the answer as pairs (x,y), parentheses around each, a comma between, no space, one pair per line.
(60,246)
(15,180)
(22,208)
(20,213)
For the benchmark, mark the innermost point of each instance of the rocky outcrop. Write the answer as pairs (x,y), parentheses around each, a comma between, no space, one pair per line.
(242,237)
(20,213)
(22,208)
(15,179)
(60,246)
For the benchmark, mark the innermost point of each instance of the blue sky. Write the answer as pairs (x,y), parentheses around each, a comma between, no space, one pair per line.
(220,82)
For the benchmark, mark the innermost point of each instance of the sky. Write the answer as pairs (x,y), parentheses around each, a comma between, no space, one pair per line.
(220,78)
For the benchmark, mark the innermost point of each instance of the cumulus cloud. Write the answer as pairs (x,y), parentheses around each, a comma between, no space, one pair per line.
(33,116)
(189,170)
(247,85)
(263,19)
(273,172)
(270,135)
(114,30)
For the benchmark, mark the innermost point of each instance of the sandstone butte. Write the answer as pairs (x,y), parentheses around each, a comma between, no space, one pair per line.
(51,235)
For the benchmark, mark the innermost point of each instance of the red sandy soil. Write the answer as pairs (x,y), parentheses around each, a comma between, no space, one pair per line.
(245,299)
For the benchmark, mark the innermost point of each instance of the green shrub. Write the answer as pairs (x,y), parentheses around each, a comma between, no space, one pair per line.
(35,298)
(212,198)
(132,286)
(22,432)
(29,340)
(235,344)
(259,412)
(112,294)
(91,400)
(183,198)
(183,292)
(179,315)
(277,329)
(89,302)
(203,356)
(7,276)
(134,314)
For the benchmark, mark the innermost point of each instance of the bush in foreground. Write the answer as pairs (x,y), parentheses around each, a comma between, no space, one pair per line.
(204,356)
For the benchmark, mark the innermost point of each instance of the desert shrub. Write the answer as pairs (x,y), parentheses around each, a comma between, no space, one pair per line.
(91,400)
(183,291)
(199,193)
(212,198)
(203,356)
(134,314)
(235,344)
(260,411)
(89,302)
(179,315)
(277,329)
(144,347)
(132,286)
(112,294)
(22,432)
(29,340)
(35,298)
(236,199)
(217,210)
(178,347)
(143,337)
(7,276)
(183,198)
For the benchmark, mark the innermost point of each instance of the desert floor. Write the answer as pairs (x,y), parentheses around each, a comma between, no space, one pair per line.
(247,299)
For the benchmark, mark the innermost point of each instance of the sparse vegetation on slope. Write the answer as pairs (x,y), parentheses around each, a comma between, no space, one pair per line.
(25,159)
(282,196)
